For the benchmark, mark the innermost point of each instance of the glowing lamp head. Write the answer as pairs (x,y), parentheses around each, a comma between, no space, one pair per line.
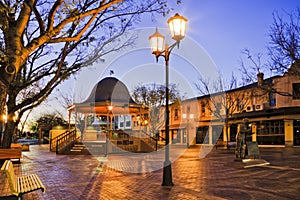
(177,26)
(157,42)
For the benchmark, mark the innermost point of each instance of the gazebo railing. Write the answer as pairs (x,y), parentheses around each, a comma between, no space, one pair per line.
(64,139)
(150,139)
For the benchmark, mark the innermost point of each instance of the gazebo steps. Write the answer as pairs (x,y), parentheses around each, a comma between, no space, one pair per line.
(86,148)
(99,148)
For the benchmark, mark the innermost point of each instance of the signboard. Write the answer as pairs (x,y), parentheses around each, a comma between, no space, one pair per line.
(253,150)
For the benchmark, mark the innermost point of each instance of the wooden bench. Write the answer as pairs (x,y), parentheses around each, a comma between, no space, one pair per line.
(24,147)
(11,153)
(23,184)
(15,146)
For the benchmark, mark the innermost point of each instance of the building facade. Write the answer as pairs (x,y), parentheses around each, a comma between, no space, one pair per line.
(271,105)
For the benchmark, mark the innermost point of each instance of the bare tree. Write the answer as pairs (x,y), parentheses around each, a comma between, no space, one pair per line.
(154,96)
(283,51)
(284,46)
(249,70)
(223,98)
(45,42)
(66,99)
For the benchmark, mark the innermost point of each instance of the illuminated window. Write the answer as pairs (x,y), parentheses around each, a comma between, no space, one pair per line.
(203,109)
(175,113)
(272,99)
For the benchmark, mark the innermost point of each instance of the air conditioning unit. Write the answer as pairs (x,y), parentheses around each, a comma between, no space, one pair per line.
(249,108)
(258,107)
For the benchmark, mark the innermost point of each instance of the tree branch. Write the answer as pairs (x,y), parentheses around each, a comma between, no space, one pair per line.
(24,16)
(93,13)
(52,14)
(39,18)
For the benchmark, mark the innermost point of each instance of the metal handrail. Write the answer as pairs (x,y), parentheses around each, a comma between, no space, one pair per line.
(155,139)
(65,139)
(53,141)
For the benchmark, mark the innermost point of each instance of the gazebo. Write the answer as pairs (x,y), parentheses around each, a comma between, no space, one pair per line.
(108,99)
(109,94)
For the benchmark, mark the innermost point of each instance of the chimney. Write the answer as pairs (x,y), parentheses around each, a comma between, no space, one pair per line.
(260,78)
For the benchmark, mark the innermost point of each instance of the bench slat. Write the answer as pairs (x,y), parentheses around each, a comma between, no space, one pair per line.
(38,182)
(33,183)
(29,183)
(23,187)
(18,186)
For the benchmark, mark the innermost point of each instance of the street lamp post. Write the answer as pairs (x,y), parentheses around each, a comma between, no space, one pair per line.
(177,26)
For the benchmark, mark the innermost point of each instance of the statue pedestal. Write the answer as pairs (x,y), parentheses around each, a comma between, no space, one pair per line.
(248,163)
(254,163)
(252,157)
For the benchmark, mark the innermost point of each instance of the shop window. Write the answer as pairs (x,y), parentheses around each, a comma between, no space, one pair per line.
(128,124)
(270,132)
(297,132)
(202,135)
(175,114)
(272,99)
(296,90)
(203,109)
(239,105)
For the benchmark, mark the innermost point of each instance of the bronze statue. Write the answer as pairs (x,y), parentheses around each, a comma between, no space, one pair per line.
(240,152)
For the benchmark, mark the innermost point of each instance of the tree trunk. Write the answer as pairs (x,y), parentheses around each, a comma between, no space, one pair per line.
(9,132)
(10,128)
(3,95)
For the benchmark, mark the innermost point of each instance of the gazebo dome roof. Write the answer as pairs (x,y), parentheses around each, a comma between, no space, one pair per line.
(110,90)
(109,95)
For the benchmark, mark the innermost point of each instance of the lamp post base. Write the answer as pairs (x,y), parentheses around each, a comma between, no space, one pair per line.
(167,174)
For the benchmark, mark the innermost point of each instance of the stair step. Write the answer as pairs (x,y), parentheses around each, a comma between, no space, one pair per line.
(75,150)
(78,147)
(95,145)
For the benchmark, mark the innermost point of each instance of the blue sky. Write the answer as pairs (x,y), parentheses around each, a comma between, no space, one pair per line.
(225,27)
(221,29)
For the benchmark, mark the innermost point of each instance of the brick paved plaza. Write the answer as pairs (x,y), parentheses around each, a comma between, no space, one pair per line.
(215,176)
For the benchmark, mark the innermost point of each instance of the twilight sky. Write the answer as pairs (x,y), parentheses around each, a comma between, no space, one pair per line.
(225,27)
(217,32)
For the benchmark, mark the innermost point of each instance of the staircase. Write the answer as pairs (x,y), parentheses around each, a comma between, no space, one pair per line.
(63,141)
(86,148)
(68,143)
(149,142)
(78,149)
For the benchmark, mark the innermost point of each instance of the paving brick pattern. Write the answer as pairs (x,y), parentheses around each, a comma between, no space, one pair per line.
(215,176)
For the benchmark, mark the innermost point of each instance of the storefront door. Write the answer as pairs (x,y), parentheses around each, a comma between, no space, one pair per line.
(296,132)
(202,136)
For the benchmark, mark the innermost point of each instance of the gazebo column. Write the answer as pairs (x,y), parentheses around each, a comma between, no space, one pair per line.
(69,120)
(110,127)
(76,115)
(84,126)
